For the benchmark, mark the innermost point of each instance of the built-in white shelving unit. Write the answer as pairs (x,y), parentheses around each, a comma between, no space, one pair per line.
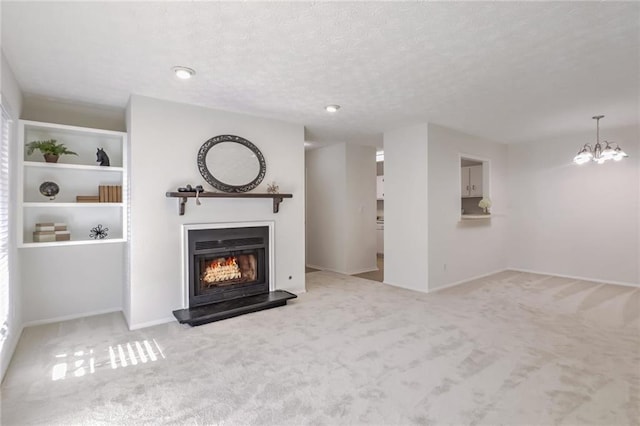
(75,175)
(73,166)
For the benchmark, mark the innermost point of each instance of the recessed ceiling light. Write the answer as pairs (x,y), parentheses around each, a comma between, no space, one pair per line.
(183,73)
(332,108)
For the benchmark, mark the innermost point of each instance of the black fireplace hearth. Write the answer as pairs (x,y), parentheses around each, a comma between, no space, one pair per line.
(211,312)
(228,274)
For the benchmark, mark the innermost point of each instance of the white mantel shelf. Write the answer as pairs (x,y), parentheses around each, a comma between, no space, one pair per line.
(475,216)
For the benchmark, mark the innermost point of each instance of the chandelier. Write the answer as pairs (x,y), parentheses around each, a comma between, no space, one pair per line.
(611,150)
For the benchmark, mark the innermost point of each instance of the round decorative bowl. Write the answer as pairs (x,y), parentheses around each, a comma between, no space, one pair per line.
(49,189)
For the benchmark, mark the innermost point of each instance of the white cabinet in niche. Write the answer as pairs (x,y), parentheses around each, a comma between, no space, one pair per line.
(75,176)
(471,181)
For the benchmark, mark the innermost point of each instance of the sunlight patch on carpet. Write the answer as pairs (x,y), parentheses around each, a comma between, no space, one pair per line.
(83,362)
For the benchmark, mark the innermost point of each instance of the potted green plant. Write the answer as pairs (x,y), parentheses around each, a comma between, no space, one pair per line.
(50,149)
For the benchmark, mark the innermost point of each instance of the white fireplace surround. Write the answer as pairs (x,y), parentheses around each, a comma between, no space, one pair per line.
(222,225)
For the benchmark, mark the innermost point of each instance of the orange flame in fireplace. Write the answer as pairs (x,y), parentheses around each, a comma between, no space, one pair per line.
(222,269)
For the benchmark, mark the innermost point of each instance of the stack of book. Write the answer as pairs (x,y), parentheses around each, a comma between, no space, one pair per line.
(87,199)
(110,193)
(49,231)
(106,194)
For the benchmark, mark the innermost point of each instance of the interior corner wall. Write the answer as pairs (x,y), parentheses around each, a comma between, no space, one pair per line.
(461,250)
(326,174)
(341,209)
(361,207)
(165,138)
(12,102)
(11,92)
(577,221)
(406,207)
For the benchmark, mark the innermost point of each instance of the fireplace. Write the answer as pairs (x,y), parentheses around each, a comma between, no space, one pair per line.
(228,271)
(227,263)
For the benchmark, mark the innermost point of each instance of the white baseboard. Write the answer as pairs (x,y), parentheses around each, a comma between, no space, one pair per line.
(404,287)
(354,272)
(71,317)
(447,285)
(314,267)
(322,268)
(466,280)
(151,323)
(362,271)
(573,277)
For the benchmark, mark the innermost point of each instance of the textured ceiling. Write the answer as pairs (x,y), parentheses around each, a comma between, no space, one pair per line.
(508,71)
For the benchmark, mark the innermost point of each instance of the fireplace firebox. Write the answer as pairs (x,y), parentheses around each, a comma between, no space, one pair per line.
(227,263)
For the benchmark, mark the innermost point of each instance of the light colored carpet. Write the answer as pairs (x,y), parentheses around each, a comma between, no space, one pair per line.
(513,348)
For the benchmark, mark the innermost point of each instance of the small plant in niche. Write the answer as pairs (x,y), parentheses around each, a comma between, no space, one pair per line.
(485,204)
(51,149)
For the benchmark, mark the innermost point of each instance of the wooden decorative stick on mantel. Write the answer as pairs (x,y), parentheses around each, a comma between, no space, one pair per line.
(183,196)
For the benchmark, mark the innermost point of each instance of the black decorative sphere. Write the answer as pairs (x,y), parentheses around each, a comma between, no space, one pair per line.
(49,189)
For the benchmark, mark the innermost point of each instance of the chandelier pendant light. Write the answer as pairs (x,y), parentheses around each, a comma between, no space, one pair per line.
(611,150)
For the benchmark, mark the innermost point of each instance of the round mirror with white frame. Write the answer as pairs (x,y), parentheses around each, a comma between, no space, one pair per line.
(230,163)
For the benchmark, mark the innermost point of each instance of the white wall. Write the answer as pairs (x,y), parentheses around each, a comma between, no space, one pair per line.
(361,209)
(406,208)
(164,139)
(11,92)
(461,250)
(12,102)
(579,221)
(341,209)
(326,173)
